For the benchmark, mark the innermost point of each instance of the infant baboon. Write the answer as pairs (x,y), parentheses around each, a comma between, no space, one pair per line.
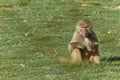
(84,43)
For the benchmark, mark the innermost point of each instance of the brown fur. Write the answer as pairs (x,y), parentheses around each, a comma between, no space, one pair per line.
(84,43)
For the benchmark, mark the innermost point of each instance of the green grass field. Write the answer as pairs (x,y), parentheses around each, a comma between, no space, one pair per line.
(35,33)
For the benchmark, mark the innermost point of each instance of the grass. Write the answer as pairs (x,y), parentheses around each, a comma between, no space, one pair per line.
(35,33)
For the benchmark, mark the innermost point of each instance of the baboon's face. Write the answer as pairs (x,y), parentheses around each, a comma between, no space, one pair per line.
(84,26)
(84,31)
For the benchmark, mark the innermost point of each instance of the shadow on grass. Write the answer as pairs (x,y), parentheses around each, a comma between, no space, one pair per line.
(111,59)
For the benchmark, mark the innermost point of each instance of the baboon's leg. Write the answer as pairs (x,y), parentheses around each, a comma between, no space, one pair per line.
(91,58)
(96,59)
(76,55)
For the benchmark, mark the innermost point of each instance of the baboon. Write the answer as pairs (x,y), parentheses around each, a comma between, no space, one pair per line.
(84,43)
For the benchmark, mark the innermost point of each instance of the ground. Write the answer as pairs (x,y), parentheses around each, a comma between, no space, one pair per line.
(35,33)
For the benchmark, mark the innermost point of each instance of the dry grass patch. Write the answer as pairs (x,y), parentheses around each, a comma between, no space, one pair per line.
(10,8)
